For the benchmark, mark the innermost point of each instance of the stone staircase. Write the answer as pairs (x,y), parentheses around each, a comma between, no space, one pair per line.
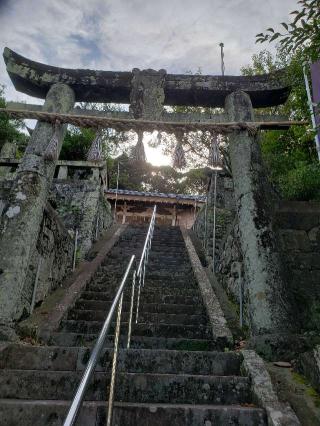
(174,373)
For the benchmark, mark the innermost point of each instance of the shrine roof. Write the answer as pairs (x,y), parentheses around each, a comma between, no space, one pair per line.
(127,194)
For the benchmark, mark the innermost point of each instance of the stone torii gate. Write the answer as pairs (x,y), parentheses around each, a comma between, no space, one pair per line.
(147,91)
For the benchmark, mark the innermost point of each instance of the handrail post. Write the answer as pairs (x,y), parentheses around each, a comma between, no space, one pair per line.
(114,363)
(131,308)
(144,259)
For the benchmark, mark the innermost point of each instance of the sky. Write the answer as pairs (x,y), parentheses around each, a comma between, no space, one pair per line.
(178,35)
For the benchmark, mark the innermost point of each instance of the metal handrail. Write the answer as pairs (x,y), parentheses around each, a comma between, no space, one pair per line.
(118,300)
(141,272)
(77,400)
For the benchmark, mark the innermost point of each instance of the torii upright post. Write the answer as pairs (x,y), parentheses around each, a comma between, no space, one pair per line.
(264,286)
(22,216)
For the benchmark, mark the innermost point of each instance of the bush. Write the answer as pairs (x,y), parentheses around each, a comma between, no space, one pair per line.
(302,182)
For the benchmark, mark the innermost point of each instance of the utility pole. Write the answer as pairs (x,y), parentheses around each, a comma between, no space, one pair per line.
(222,58)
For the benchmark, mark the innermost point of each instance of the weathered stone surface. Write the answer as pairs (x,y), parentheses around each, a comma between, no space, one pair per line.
(290,388)
(54,247)
(22,215)
(8,151)
(50,313)
(279,414)
(268,308)
(35,79)
(219,326)
(81,205)
(203,225)
(309,365)
(230,269)
(286,347)
(147,94)
(299,237)
(295,240)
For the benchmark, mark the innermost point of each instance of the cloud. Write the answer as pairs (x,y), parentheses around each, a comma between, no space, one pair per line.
(177,35)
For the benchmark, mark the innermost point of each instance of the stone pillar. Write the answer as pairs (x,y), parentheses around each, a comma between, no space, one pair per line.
(147,94)
(264,287)
(22,216)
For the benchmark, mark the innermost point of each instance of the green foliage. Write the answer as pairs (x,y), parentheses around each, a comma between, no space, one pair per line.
(76,144)
(134,175)
(301,33)
(290,155)
(143,176)
(10,130)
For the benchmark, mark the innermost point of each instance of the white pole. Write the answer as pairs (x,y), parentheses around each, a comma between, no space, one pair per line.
(214,220)
(313,118)
(205,226)
(75,250)
(115,203)
(222,58)
(240,302)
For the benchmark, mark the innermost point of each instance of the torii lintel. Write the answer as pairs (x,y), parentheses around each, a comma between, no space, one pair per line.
(34,79)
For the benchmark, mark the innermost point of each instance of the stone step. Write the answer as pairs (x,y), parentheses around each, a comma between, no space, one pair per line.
(116,266)
(187,415)
(52,413)
(112,286)
(137,342)
(168,275)
(147,296)
(131,387)
(100,305)
(141,329)
(156,279)
(164,258)
(144,317)
(182,388)
(23,357)
(181,362)
(149,289)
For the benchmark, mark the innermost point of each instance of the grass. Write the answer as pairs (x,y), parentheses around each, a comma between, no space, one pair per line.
(310,391)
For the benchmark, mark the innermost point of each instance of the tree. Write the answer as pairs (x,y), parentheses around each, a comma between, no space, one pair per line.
(143,176)
(77,141)
(289,155)
(302,33)
(292,158)
(10,130)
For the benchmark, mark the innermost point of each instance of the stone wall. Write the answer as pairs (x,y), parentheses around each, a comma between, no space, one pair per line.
(298,223)
(224,218)
(54,251)
(230,262)
(297,227)
(76,194)
(76,201)
(82,206)
(203,225)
